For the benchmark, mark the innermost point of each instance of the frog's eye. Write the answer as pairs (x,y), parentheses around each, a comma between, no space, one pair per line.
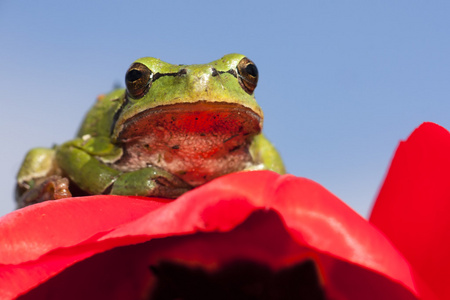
(248,75)
(138,80)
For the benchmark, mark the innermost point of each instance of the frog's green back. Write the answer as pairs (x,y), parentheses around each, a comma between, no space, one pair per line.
(99,119)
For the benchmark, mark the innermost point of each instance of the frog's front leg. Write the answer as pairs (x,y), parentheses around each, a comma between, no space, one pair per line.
(84,169)
(39,178)
(84,163)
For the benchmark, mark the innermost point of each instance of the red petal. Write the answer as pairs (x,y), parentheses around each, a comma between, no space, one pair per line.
(278,220)
(28,234)
(413,205)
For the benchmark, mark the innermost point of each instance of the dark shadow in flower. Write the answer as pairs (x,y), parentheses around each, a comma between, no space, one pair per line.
(241,280)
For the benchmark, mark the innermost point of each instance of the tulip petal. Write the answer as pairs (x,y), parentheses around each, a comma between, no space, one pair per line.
(413,205)
(28,234)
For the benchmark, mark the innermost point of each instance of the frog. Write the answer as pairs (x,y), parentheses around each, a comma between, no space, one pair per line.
(172,128)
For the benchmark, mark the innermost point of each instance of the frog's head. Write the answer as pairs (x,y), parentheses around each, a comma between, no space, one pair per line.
(214,98)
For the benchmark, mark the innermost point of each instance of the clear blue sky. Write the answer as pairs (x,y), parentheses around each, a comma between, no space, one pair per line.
(341,82)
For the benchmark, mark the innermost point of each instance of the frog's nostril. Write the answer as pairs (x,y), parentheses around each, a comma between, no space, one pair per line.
(214,72)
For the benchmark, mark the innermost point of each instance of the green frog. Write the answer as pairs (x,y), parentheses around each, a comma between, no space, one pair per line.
(173,128)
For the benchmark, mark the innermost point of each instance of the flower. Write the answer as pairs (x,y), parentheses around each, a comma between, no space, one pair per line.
(248,235)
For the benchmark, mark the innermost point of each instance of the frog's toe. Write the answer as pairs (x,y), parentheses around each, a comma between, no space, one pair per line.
(51,188)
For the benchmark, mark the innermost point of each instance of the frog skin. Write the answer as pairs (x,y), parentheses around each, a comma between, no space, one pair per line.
(173,128)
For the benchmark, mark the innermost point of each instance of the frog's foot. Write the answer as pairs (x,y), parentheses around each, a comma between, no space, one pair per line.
(51,188)
(170,188)
(149,182)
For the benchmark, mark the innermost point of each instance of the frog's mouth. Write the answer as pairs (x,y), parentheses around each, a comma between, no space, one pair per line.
(218,119)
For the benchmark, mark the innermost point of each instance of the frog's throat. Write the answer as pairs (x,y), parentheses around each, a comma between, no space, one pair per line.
(201,117)
(196,142)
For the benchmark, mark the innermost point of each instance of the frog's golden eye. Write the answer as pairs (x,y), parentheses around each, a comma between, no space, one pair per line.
(248,75)
(138,80)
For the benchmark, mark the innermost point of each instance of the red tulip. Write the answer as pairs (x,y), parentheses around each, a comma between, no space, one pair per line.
(249,235)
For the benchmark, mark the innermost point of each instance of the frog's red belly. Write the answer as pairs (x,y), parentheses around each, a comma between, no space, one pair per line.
(197,142)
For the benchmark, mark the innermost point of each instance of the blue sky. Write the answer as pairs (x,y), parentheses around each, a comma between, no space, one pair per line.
(341,82)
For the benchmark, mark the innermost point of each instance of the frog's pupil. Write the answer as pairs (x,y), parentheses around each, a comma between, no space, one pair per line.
(251,70)
(134,75)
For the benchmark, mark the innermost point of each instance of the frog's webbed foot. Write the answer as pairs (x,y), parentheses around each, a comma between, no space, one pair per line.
(170,188)
(150,182)
(50,188)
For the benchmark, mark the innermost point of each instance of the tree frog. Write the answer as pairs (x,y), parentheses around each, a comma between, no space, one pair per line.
(173,128)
